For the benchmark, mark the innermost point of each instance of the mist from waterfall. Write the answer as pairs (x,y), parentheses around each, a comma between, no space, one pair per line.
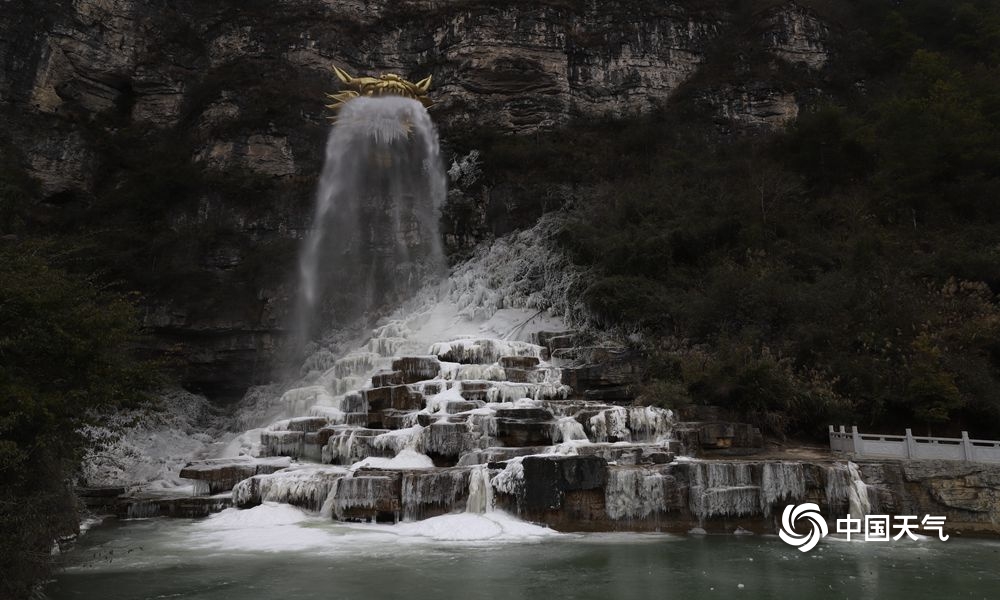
(375,237)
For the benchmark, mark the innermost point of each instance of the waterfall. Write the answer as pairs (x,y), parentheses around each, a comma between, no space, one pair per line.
(375,236)
(845,486)
(329,505)
(480,491)
(568,429)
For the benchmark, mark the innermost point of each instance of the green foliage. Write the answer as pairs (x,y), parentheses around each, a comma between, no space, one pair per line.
(65,358)
(844,270)
(618,299)
(931,391)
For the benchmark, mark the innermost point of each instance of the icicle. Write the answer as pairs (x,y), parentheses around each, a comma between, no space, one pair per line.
(610,423)
(511,479)
(355,364)
(392,329)
(145,509)
(306,487)
(723,489)
(781,481)
(483,350)
(385,346)
(568,429)
(650,423)
(399,439)
(492,372)
(441,489)
(299,400)
(633,494)
(202,488)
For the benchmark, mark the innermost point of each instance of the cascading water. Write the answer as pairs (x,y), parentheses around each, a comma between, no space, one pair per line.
(375,236)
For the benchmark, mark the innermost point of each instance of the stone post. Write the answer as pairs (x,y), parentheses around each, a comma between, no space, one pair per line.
(967,449)
(911,445)
(859,446)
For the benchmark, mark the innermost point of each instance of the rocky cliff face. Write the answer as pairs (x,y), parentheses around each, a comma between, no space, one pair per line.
(205,120)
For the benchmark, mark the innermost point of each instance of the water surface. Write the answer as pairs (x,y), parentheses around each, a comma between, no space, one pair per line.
(277,552)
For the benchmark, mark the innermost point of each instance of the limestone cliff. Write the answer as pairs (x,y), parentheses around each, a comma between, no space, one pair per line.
(205,121)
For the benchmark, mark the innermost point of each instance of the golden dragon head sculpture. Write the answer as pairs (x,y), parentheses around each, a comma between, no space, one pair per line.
(387,84)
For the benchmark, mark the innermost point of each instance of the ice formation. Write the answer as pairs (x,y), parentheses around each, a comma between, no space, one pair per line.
(845,488)
(305,487)
(438,408)
(149,446)
(634,494)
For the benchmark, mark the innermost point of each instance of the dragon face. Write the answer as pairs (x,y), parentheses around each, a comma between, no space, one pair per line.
(386,84)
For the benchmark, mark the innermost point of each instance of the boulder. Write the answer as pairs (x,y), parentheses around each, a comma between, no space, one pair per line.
(621,395)
(385,378)
(605,369)
(519,362)
(417,368)
(547,478)
(366,497)
(475,390)
(282,443)
(399,397)
(221,474)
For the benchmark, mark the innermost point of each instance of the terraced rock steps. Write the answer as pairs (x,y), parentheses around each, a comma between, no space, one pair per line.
(480,423)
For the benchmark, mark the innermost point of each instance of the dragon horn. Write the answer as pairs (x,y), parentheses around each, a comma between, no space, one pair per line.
(342,75)
(342,96)
(424,84)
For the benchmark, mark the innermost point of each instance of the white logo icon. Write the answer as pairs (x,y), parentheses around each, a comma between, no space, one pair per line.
(808,512)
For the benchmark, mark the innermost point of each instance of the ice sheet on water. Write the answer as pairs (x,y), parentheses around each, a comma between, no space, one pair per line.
(280,528)
(270,527)
(496,526)
(268,514)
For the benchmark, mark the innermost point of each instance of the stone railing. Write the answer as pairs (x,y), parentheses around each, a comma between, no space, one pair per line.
(864,445)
